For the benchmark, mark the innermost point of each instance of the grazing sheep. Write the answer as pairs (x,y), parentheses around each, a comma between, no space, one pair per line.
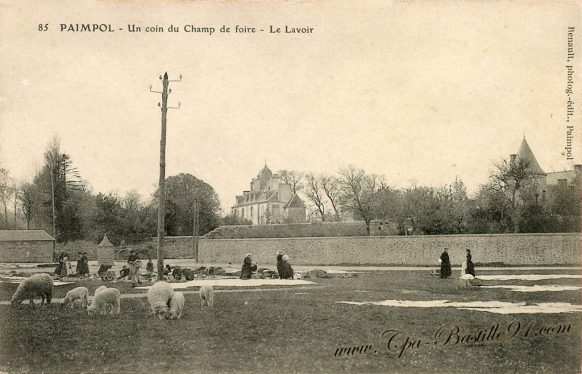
(99,289)
(38,285)
(176,306)
(104,300)
(159,296)
(79,293)
(206,294)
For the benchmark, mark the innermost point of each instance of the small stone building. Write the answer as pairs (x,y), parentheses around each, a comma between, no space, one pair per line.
(26,246)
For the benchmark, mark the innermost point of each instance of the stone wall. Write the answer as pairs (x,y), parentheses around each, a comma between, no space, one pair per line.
(175,247)
(33,251)
(508,249)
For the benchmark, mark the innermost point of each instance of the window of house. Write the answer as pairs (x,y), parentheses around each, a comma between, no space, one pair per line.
(562,182)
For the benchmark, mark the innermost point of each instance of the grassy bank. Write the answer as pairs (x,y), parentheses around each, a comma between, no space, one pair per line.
(295,330)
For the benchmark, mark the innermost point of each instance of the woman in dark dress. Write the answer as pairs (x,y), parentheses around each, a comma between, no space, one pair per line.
(247,268)
(286,269)
(83,265)
(280,264)
(470,265)
(445,265)
(79,267)
(59,267)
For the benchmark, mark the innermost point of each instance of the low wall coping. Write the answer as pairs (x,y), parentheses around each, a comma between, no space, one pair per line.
(383,237)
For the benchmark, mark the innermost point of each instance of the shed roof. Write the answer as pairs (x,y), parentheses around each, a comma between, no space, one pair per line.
(24,236)
(105,242)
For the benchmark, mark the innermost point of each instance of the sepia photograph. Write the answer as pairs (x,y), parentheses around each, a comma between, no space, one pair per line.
(298,186)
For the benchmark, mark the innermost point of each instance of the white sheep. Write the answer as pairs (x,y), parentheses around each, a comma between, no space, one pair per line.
(176,306)
(79,293)
(38,285)
(99,289)
(105,300)
(159,296)
(206,294)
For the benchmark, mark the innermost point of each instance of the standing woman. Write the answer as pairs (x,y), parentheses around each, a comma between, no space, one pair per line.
(470,266)
(79,268)
(445,264)
(85,265)
(60,264)
(133,262)
(65,265)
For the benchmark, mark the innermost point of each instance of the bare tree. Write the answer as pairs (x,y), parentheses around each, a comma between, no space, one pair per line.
(27,196)
(6,191)
(332,189)
(314,192)
(293,178)
(358,192)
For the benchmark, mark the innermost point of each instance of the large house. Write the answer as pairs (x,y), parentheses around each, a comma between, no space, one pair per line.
(269,200)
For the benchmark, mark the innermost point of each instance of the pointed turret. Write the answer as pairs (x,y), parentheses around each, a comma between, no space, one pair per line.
(525,153)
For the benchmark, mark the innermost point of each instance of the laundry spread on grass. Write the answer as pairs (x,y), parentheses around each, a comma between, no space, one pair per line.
(532,277)
(237,283)
(499,307)
(535,288)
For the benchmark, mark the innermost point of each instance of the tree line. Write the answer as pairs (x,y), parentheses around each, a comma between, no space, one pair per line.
(59,201)
(513,200)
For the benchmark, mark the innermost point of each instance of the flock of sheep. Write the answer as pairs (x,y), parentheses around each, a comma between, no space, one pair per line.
(164,301)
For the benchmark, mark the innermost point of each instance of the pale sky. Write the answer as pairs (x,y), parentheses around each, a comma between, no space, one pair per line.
(411,90)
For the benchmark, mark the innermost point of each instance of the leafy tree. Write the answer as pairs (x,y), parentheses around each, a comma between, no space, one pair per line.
(517,182)
(58,183)
(389,205)
(185,196)
(421,205)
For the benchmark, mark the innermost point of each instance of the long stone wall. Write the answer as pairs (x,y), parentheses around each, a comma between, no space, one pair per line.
(508,249)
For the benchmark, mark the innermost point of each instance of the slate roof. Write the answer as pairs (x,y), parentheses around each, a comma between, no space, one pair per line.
(24,236)
(295,202)
(265,173)
(525,153)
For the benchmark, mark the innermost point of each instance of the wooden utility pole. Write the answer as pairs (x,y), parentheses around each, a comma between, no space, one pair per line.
(15,200)
(53,201)
(195,230)
(162,181)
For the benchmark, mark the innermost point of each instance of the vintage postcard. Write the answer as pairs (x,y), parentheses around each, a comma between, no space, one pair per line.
(290,186)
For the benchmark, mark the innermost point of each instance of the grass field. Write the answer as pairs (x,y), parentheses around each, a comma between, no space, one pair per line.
(300,330)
